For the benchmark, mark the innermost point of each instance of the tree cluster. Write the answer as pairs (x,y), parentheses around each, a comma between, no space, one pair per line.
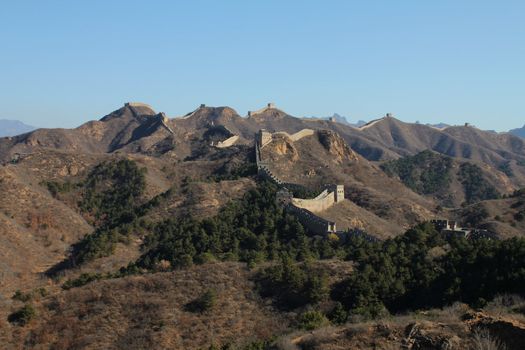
(425,173)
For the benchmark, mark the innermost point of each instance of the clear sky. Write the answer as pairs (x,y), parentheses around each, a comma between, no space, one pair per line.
(65,62)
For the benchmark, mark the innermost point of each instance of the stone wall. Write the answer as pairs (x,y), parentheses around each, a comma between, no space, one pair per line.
(312,222)
(228,142)
(297,136)
(302,208)
(164,122)
(268,106)
(189,115)
(300,134)
(322,202)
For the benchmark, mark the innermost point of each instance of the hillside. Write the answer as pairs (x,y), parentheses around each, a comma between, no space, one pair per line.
(325,158)
(112,231)
(158,309)
(152,313)
(452,182)
(504,215)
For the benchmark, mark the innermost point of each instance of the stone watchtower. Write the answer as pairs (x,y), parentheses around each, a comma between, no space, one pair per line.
(283,197)
(264,138)
(163,117)
(339,192)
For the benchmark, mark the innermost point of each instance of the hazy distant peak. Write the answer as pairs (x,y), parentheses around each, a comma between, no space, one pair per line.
(439,125)
(518,131)
(13,127)
(337,118)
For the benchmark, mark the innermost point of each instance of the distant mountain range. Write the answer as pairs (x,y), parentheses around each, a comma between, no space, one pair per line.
(439,125)
(13,127)
(518,131)
(341,119)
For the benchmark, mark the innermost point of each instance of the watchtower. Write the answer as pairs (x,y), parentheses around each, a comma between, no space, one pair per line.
(264,138)
(339,192)
(163,117)
(283,197)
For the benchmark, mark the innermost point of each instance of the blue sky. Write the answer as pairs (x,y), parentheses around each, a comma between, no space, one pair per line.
(65,62)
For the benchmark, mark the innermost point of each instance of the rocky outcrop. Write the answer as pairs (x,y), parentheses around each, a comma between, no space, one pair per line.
(336,146)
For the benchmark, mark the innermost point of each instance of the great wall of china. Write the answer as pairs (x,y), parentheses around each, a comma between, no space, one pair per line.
(162,118)
(264,109)
(302,208)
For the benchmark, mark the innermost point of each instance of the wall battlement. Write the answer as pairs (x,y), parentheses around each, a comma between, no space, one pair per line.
(322,202)
(270,105)
(230,141)
(314,223)
(164,121)
(138,104)
(264,137)
(189,115)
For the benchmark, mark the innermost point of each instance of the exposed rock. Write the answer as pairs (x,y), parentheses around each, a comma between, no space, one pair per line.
(336,146)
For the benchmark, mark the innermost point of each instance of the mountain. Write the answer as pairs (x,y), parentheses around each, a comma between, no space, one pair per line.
(340,119)
(518,132)
(142,231)
(13,127)
(439,125)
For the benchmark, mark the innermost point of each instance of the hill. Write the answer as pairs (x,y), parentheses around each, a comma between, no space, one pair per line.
(325,158)
(452,182)
(114,233)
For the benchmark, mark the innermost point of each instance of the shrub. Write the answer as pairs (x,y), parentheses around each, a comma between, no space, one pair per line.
(203,303)
(483,340)
(55,187)
(205,258)
(82,280)
(506,169)
(474,215)
(338,315)
(23,297)
(23,316)
(311,320)
(292,285)
(476,187)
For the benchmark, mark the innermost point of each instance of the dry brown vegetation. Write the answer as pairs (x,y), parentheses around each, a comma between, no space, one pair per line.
(150,312)
(454,327)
